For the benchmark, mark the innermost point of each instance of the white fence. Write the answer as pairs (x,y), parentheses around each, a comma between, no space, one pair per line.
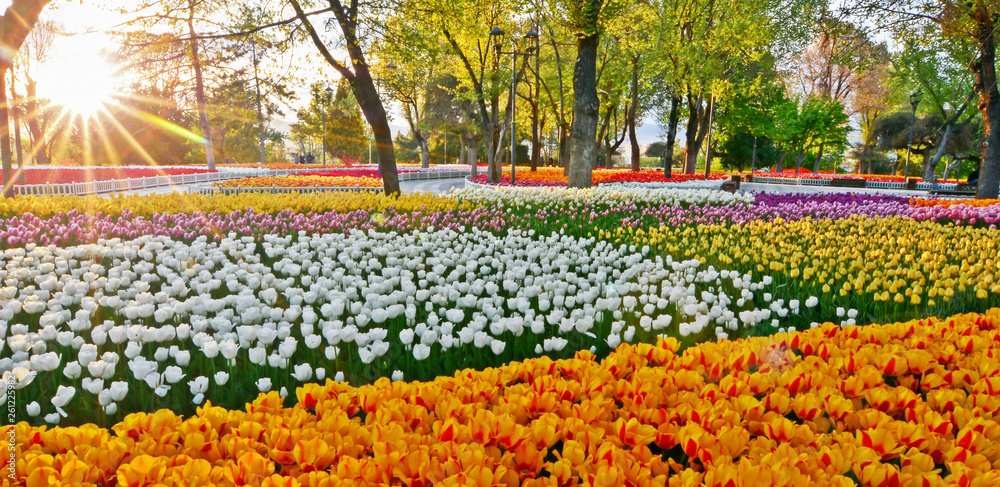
(122,185)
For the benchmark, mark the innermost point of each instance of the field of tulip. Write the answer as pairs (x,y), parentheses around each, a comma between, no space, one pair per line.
(198,304)
(911,403)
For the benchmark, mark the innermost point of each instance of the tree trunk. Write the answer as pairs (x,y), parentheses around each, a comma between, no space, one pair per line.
(668,152)
(780,166)
(469,155)
(696,131)
(17,129)
(199,89)
(585,107)
(362,85)
(989,103)
(39,146)
(425,152)
(5,154)
(564,159)
(819,159)
(374,112)
(633,139)
(930,166)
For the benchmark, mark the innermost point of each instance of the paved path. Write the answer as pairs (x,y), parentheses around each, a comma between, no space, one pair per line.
(436,186)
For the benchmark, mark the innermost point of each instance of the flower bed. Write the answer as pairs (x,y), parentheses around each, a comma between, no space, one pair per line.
(133,304)
(903,404)
(62,175)
(362,303)
(151,205)
(300,181)
(553,176)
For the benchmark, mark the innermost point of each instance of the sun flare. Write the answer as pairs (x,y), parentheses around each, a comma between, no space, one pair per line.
(82,84)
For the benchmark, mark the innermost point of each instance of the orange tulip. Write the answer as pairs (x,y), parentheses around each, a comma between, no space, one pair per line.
(249,469)
(878,475)
(141,471)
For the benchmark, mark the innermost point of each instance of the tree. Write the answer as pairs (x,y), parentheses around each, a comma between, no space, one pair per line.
(359,76)
(834,65)
(171,35)
(946,85)
(35,112)
(587,19)
(971,24)
(738,150)
(15,25)
(818,122)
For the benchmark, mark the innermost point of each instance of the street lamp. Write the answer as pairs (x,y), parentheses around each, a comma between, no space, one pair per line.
(328,93)
(914,101)
(711,112)
(498,33)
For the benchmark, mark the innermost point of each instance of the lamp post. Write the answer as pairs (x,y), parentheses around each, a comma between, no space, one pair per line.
(914,101)
(753,160)
(711,113)
(498,33)
(327,94)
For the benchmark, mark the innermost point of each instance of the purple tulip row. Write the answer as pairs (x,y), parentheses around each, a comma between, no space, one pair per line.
(77,228)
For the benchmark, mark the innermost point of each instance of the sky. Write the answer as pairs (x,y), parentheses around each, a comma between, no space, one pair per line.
(76,75)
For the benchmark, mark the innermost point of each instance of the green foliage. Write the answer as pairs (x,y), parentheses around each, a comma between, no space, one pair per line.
(345,132)
(736,152)
(818,122)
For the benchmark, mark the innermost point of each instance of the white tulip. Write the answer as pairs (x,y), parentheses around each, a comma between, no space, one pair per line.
(303,372)
(397,376)
(63,396)
(161,354)
(421,351)
(33,409)
(812,302)
(173,374)
(228,349)
(118,390)
(210,348)
(264,384)
(199,385)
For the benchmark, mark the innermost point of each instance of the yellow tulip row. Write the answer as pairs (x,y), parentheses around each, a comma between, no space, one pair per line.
(887,259)
(47,206)
(913,403)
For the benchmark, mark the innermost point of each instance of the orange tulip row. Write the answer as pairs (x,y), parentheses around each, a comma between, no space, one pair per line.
(948,203)
(905,404)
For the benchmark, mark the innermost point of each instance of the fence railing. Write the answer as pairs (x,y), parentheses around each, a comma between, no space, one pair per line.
(121,185)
